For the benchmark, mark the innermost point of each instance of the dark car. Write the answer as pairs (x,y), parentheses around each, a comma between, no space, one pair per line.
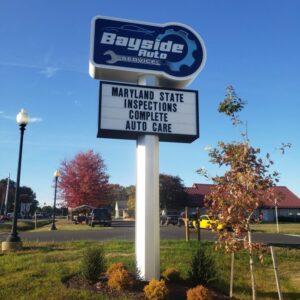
(101,216)
(181,219)
(169,217)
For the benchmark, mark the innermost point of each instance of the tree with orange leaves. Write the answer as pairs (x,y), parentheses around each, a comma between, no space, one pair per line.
(84,180)
(237,194)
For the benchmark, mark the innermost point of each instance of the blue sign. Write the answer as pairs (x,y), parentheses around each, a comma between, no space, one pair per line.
(124,50)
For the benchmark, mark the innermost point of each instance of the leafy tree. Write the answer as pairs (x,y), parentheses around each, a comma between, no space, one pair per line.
(47,209)
(171,192)
(248,181)
(117,192)
(130,191)
(27,195)
(84,180)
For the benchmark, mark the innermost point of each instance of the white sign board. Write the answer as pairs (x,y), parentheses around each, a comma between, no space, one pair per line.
(128,111)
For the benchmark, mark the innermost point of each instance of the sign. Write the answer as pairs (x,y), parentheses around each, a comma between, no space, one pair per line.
(128,111)
(122,50)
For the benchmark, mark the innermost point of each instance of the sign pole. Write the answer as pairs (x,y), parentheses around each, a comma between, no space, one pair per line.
(147,234)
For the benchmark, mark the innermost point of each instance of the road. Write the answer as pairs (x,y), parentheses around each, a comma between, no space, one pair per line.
(128,233)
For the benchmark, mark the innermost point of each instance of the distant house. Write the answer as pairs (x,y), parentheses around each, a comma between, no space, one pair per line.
(122,207)
(288,208)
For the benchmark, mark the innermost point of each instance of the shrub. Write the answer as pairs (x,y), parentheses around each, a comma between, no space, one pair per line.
(113,267)
(93,263)
(199,293)
(202,268)
(171,274)
(120,279)
(156,290)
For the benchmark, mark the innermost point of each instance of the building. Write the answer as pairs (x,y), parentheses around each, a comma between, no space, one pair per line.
(288,208)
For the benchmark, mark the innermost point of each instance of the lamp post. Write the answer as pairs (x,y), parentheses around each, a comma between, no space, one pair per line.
(56,175)
(13,241)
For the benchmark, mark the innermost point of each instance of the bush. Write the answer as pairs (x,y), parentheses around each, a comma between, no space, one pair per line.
(171,274)
(202,268)
(113,267)
(199,293)
(120,279)
(93,263)
(156,290)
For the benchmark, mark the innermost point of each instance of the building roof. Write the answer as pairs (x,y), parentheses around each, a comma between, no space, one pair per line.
(289,199)
(197,192)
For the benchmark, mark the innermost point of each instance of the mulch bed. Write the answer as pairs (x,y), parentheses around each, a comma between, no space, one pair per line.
(177,290)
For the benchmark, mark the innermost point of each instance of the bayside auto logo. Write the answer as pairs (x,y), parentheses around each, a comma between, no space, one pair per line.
(171,49)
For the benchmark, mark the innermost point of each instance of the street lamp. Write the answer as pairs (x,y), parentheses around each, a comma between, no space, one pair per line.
(56,175)
(13,241)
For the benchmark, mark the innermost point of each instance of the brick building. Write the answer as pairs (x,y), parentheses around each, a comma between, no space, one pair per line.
(288,208)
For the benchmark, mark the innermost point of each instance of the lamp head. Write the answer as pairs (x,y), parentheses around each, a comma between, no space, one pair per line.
(22,117)
(56,173)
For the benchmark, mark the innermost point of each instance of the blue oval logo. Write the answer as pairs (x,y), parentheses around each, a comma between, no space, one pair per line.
(173,51)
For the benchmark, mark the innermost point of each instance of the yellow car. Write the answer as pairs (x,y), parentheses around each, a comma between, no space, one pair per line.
(206,222)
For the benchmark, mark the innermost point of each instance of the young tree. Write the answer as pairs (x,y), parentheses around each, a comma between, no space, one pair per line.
(247,181)
(171,192)
(84,180)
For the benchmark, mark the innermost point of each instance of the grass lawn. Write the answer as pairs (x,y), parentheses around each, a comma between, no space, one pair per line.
(286,228)
(44,225)
(38,271)
(63,224)
(24,225)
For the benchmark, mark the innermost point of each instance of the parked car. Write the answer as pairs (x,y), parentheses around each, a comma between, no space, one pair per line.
(80,219)
(206,222)
(101,216)
(181,219)
(169,217)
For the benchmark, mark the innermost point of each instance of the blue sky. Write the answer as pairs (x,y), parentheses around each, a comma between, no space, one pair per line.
(44,53)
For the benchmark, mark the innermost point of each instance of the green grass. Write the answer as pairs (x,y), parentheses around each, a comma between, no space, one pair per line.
(24,225)
(285,228)
(38,271)
(63,224)
(44,225)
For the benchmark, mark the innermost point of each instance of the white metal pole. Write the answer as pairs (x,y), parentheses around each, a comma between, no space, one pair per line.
(147,229)
(231,275)
(6,195)
(276,273)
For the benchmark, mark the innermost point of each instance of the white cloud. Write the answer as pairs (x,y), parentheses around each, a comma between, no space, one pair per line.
(35,120)
(4,116)
(13,118)
(49,71)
